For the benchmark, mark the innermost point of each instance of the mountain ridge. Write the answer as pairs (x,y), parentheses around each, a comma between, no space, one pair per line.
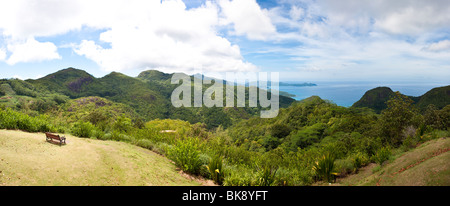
(376,98)
(149,94)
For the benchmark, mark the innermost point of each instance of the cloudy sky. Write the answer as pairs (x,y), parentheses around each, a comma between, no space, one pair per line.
(305,40)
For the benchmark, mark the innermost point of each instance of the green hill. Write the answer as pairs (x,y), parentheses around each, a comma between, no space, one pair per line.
(149,103)
(376,98)
(439,97)
(68,81)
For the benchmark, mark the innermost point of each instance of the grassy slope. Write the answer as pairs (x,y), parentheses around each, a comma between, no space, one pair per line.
(27,159)
(428,164)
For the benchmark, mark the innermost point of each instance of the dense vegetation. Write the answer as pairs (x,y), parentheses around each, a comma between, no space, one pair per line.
(310,140)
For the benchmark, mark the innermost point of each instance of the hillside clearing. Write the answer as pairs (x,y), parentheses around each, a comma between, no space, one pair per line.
(27,159)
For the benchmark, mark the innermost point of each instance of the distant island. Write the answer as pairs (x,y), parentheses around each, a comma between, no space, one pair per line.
(287,94)
(287,84)
(298,84)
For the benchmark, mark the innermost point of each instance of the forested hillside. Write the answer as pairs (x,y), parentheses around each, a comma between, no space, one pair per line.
(148,95)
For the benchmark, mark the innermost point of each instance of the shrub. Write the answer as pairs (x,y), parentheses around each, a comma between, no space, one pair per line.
(324,167)
(10,119)
(360,159)
(186,155)
(83,129)
(239,176)
(344,166)
(270,142)
(98,134)
(293,177)
(382,155)
(122,124)
(215,169)
(409,142)
(266,175)
(145,143)
(279,130)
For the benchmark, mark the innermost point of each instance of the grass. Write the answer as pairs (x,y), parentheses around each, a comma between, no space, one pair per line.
(426,165)
(27,159)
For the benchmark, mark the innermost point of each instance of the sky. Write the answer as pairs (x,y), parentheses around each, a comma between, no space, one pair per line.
(303,40)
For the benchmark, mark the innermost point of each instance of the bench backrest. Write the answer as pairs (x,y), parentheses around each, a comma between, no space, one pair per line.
(52,136)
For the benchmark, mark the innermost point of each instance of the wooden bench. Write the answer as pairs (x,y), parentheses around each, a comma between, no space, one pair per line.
(51,137)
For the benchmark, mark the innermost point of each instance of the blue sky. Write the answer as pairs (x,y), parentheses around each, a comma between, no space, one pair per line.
(303,40)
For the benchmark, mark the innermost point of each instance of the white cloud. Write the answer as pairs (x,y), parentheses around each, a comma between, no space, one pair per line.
(439,46)
(141,33)
(31,51)
(22,19)
(296,13)
(364,39)
(247,18)
(2,55)
(169,38)
(400,17)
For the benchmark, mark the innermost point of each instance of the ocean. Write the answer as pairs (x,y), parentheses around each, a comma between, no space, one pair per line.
(347,93)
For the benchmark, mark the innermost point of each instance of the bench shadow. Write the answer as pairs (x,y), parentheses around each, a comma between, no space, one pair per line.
(55,142)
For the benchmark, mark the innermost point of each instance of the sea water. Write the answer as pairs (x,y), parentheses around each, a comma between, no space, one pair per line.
(347,93)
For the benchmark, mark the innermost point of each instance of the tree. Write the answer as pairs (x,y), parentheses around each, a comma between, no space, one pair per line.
(432,117)
(399,114)
(444,115)
(279,130)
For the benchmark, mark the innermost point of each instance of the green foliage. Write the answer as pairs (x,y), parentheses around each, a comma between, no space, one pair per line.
(279,130)
(215,116)
(23,88)
(308,136)
(266,174)
(324,167)
(439,97)
(270,142)
(83,129)
(10,119)
(360,159)
(344,167)
(186,155)
(382,155)
(123,124)
(437,119)
(215,168)
(399,114)
(240,176)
